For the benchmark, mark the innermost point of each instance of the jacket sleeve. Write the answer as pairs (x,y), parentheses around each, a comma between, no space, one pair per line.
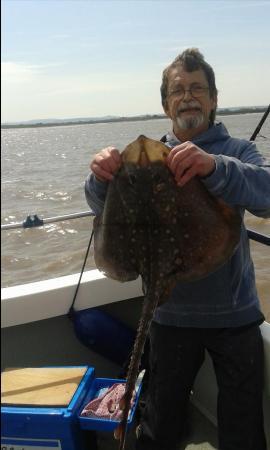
(95,193)
(242,181)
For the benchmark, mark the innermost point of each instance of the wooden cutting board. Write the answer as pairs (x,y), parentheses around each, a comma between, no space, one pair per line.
(40,386)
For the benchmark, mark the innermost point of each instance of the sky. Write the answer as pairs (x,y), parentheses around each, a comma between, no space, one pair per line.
(70,58)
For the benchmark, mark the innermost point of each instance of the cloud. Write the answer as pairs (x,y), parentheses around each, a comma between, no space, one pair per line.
(13,72)
(19,73)
(51,80)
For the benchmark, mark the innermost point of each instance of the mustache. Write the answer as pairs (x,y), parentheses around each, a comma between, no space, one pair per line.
(187,106)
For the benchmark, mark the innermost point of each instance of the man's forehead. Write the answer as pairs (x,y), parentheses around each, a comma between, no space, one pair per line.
(179,74)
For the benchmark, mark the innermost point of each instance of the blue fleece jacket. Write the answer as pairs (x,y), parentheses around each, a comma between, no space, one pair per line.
(228,297)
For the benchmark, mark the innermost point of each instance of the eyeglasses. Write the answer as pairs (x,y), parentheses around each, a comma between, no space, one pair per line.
(195,91)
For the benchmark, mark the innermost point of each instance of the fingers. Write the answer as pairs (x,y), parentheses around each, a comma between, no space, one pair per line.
(175,151)
(114,155)
(101,174)
(106,163)
(177,156)
(187,160)
(182,179)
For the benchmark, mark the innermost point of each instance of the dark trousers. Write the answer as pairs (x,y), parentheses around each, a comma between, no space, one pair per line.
(176,355)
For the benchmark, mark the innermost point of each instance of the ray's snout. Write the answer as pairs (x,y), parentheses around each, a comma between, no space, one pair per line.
(144,151)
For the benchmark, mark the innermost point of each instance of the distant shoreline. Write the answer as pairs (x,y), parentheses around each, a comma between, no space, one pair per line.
(220,112)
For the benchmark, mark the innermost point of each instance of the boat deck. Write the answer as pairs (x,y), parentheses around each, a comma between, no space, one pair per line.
(202,436)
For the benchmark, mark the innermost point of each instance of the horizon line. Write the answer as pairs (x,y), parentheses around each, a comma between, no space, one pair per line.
(111,118)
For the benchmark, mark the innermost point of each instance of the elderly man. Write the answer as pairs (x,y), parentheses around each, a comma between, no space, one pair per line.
(220,313)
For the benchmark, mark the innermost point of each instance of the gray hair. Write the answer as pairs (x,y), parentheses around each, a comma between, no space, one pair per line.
(191,59)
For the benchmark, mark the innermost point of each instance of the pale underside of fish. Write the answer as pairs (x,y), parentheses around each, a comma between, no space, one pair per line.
(164,233)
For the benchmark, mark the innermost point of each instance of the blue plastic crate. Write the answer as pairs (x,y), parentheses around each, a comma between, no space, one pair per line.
(101,424)
(47,428)
(43,428)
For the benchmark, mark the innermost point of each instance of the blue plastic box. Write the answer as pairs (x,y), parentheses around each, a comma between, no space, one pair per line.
(47,428)
(93,423)
(42,428)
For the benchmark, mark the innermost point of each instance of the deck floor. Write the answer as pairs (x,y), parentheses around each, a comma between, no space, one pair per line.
(202,436)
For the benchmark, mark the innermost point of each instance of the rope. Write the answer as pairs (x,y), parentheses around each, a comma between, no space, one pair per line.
(260,124)
(71,309)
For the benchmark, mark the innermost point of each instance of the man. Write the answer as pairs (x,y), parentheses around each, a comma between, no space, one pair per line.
(220,313)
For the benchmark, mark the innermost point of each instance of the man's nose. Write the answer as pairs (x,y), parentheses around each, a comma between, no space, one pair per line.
(187,95)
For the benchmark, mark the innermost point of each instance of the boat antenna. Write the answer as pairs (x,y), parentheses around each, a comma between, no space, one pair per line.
(71,309)
(260,124)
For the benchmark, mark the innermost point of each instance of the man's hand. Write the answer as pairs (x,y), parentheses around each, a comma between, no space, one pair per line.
(187,160)
(106,163)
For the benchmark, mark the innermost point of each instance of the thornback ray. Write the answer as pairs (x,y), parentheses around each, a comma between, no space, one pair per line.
(165,233)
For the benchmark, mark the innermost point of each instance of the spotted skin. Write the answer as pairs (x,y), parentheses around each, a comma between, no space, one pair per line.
(164,233)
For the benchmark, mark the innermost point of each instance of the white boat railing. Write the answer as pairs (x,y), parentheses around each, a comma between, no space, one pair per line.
(34,220)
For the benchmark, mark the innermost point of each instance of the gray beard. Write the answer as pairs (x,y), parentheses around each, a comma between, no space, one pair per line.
(190,122)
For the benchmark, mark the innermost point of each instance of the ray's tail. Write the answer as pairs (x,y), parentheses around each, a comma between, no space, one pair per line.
(149,305)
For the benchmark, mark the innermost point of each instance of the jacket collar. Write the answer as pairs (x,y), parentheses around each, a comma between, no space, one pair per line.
(216,132)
